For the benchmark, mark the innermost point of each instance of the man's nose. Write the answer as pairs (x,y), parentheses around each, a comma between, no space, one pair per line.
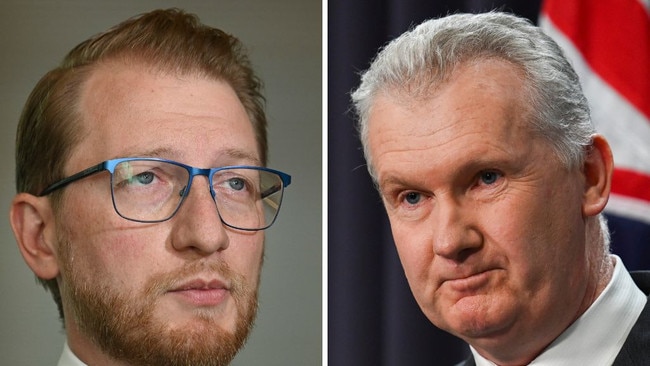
(455,234)
(197,224)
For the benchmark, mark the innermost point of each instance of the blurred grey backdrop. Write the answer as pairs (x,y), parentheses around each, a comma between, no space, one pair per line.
(284,40)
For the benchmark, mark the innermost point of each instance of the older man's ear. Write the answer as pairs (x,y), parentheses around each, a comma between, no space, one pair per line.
(598,168)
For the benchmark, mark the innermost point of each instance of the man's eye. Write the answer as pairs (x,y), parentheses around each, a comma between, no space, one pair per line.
(236,184)
(412,198)
(143,178)
(489,177)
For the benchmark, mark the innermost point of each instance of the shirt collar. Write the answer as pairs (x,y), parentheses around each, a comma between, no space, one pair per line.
(598,335)
(68,358)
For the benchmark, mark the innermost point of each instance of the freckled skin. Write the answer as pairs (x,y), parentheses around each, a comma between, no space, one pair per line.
(489,225)
(130,112)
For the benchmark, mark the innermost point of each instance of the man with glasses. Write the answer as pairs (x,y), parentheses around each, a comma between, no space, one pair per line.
(143,193)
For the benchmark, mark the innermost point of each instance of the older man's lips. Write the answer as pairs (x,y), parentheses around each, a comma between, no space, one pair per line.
(470,283)
(202,293)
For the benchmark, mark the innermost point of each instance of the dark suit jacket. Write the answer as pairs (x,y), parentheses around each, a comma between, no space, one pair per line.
(636,349)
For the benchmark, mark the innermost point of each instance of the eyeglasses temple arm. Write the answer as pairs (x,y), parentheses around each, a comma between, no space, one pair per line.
(270,191)
(65,181)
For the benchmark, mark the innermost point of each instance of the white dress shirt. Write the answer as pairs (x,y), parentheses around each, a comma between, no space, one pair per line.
(598,335)
(68,358)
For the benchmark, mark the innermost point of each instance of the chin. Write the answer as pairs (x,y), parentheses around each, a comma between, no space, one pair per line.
(471,319)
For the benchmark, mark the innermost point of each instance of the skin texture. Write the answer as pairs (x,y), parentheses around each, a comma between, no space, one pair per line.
(495,235)
(103,261)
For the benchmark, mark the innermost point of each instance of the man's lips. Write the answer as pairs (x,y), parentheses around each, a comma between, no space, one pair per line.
(468,282)
(201,292)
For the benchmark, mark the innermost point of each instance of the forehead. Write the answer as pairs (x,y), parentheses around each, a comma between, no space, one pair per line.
(127,110)
(479,110)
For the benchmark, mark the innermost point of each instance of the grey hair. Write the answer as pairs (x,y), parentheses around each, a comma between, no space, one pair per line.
(416,63)
(424,58)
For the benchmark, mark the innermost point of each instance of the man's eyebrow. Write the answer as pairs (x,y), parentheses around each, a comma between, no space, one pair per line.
(238,154)
(155,153)
(392,181)
(168,152)
(460,170)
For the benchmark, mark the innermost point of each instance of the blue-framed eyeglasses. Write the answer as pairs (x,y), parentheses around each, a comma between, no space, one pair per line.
(151,190)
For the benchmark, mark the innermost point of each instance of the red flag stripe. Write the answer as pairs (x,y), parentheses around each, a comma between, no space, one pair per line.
(631,183)
(615,41)
(626,128)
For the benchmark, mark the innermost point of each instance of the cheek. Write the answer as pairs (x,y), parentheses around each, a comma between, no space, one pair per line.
(514,231)
(245,254)
(535,236)
(110,249)
(123,259)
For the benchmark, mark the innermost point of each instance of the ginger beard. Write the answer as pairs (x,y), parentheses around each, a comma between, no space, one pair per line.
(124,327)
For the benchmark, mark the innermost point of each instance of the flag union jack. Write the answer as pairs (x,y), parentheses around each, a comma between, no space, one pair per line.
(608,42)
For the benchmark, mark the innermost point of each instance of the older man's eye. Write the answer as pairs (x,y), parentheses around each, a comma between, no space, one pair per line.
(412,198)
(489,177)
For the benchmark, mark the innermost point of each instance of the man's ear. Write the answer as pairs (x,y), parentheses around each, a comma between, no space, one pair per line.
(598,169)
(32,222)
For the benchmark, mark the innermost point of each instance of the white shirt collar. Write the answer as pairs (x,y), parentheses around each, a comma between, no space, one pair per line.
(598,335)
(68,358)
